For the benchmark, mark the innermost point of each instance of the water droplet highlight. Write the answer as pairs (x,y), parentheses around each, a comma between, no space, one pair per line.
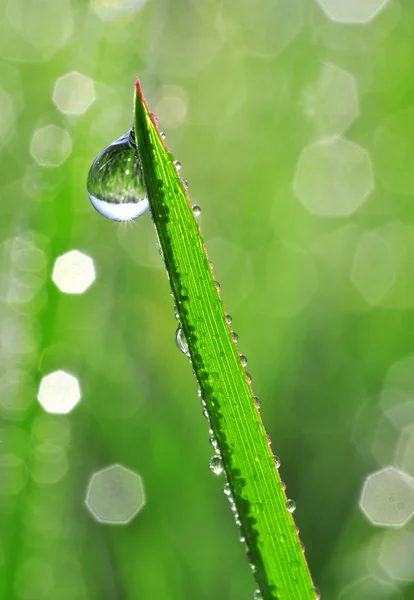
(277,461)
(227,489)
(229,319)
(234,336)
(243,360)
(291,506)
(116,181)
(181,341)
(196,210)
(177,165)
(257,401)
(257,595)
(216,465)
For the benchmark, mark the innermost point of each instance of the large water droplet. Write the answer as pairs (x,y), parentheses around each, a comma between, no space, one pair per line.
(116,181)
(291,506)
(216,465)
(181,341)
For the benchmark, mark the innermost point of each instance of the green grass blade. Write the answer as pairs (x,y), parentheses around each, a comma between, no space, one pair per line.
(273,544)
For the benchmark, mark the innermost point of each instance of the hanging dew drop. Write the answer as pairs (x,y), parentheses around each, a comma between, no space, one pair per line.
(277,461)
(229,319)
(257,402)
(291,506)
(196,210)
(216,465)
(181,341)
(116,181)
(177,165)
(243,360)
(234,336)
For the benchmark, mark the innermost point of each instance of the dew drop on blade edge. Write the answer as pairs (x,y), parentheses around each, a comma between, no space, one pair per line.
(216,465)
(291,506)
(116,181)
(181,341)
(196,210)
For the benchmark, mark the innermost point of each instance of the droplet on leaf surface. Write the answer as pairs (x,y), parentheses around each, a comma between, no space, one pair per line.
(116,181)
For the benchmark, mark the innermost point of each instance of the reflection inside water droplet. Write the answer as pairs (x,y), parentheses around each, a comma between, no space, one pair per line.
(196,210)
(216,465)
(181,341)
(291,506)
(116,181)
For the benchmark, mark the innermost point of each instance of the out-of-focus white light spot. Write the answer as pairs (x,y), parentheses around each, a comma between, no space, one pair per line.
(373,282)
(395,168)
(370,588)
(50,146)
(111,9)
(387,497)
(332,103)
(396,554)
(49,464)
(59,392)
(73,272)
(13,474)
(352,11)
(404,451)
(33,580)
(333,177)
(7,114)
(74,93)
(171,107)
(115,495)
(291,296)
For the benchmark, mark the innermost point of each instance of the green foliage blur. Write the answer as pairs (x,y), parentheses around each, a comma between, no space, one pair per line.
(295,131)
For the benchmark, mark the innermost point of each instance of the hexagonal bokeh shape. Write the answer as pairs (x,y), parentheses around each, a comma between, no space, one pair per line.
(371,282)
(387,497)
(115,495)
(332,102)
(396,554)
(112,9)
(74,93)
(50,146)
(73,272)
(59,392)
(352,11)
(333,177)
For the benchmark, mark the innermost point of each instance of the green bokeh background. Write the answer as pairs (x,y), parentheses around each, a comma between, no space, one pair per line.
(321,318)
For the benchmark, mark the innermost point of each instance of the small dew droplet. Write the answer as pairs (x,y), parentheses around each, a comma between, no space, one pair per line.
(257,595)
(181,341)
(185,182)
(177,165)
(196,210)
(216,465)
(249,377)
(234,336)
(277,461)
(214,443)
(227,489)
(242,539)
(257,401)
(217,286)
(243,360)
(116,181)
(162,134)
(317,593)
(229,319)
(291,506)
